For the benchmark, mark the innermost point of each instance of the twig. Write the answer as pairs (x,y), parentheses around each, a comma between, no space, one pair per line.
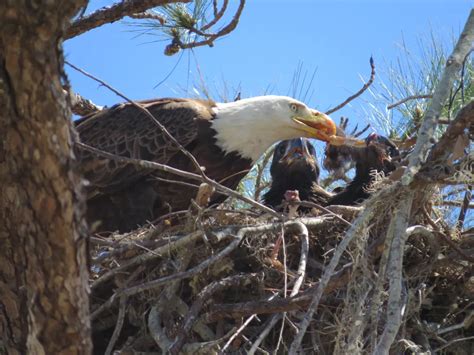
(358,134)
(156,330)
(152,255)
(465,206)
(278,305)
(205,332)
(408,98)
(204,297)
(118,325)
(260,171)
(461,84)
(114,13)
(324,209)
(209,41)
(240,329)
(464,324)
(446,238)
(304,235)
(122,313)
(358,93)
(217,15)
(355,230)
(452,342)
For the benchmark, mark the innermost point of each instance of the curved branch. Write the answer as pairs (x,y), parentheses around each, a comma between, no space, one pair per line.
(358,93)
(222,32)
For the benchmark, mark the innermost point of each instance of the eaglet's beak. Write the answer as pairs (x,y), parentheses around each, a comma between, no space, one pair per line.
(296,149)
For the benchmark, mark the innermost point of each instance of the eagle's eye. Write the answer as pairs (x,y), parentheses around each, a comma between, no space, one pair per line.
(294,108)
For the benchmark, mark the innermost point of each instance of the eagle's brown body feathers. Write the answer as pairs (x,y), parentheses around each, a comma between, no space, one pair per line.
(123,196)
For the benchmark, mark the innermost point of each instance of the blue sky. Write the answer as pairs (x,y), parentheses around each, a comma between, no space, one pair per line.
(335,38)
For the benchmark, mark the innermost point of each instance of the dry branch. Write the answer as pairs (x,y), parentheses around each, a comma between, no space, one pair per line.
(408,98)
(358,93)
(204,298)
(278,305)
(118,326)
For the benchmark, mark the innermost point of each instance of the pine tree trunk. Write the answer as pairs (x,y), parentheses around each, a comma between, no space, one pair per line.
(44,305)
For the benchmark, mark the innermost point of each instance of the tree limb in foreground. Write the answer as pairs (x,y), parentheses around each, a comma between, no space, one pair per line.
(399,223)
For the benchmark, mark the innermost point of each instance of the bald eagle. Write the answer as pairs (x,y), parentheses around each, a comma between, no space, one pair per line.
(295,167)
(225,138)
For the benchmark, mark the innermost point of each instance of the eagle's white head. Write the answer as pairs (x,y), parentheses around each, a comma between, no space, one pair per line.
(251,126)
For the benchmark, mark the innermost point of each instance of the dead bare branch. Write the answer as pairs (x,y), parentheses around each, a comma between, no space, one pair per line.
(447,239)
(118,325)
(217,15)
(408,98)
(204,298)
(147,257)
(358,93)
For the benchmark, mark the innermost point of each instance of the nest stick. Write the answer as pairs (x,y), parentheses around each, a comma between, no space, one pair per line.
(204,297)
(304,236)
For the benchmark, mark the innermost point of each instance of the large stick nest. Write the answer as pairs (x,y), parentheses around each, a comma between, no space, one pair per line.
(223,281)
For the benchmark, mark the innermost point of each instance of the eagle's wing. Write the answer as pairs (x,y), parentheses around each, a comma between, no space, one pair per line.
(127,131)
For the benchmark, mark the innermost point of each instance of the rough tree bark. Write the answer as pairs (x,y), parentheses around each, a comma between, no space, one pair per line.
(43,276)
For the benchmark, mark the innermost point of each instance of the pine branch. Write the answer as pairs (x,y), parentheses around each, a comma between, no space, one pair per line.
(110,14)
